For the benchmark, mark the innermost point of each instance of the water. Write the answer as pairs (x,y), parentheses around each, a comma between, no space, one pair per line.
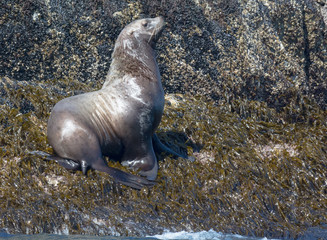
(203,235)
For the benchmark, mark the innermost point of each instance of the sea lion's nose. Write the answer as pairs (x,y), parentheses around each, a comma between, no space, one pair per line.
(160,20)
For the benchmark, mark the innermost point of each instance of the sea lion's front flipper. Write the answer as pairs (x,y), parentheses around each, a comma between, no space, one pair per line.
(126,178)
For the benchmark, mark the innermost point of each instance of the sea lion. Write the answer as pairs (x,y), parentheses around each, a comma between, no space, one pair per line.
(120,119)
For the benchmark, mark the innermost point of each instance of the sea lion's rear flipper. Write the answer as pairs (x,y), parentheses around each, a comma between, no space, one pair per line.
(66,163)
(40,154)
(118,175)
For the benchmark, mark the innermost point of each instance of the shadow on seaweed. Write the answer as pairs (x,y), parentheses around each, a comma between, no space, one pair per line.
(180,143)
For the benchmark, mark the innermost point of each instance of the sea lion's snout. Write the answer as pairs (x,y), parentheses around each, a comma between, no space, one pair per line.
(160,21)
(158,25)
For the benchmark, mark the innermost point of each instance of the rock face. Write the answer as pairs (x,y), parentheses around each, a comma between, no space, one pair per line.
(255,124)
(272,51)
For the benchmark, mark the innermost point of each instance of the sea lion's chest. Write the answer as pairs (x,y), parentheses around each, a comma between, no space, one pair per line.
(126,104)
(131,92)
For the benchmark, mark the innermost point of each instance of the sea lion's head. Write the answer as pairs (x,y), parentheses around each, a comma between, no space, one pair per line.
(133,53)
(146,30)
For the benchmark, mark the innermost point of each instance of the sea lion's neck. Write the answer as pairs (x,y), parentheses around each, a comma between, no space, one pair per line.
(141,57)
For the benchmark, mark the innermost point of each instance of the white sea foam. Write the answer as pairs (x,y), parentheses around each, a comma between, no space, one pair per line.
(203,235)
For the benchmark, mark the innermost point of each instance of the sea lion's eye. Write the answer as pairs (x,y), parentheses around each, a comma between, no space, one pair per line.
(145,24)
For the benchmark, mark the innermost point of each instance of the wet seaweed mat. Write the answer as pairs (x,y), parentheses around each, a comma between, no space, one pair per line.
(256,171)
